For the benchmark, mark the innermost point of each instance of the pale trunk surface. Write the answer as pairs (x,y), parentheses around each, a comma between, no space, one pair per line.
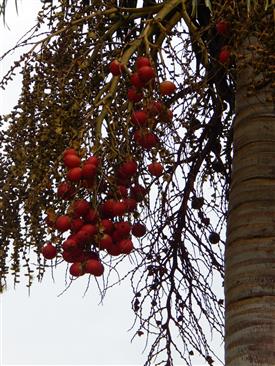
(250,247)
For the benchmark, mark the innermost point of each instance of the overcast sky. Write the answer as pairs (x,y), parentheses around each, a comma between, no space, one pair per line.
(47,329)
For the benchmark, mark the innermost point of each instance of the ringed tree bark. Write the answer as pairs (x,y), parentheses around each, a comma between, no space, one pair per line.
(250,247)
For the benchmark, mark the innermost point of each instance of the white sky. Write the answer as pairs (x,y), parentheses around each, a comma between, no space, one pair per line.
(44,329)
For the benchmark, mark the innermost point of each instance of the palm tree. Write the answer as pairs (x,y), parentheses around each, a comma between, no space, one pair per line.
(218,56)
(249,264)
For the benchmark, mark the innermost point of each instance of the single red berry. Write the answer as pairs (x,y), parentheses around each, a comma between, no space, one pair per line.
(119,208)
(138,230)
(49,251)
(224,55)
(134,95)
(92,160)
(167,87)
(126,246)
(128,169)
(71,160)
(76,224)
(88,171)
(94,267)
(155,169)
(69,151)
(124,228)
(114,250)
(69,244)
(80,207)
(63,223)
(149,141)
(140,118)
(146,73)
(65,191)
(116,68)
(142,61)
(136,81)
(131,204)
(107,208)
(166,116)
(86,233)
(154,108)
(76,269)
(223,27)
(105,242)
(74,174)
(91,216)
(138,192)
(107,226)
(122,191)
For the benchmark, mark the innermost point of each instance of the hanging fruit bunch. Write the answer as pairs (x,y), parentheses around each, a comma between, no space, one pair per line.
(100,215)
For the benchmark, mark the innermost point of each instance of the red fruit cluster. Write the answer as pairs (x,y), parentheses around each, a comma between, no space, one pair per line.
(223,29)
(92,226)
(145,119)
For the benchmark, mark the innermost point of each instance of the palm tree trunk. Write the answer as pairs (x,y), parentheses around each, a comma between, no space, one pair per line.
(250,247)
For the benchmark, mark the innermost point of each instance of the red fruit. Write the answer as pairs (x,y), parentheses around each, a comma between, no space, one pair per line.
(138,230)
(122,191)
(92,160)
(63,223)
(65,191)
(49,251)
(224,55)
(74,255)
(69,244)
(134,95)
(126,246)
(86,233)
(131,204)
(167,87)
(135,81)
(140,118)
(94,267)
(74,174)
(146,73)
(71,160)
(138,192)
(80,207)
(76,224)
(107,226)
(117,236)
(222,27)
(107,208)
(69,151)
(116,67)
(149,140)
(114,250)
(119,208)
(142,61)
(88,171)
(91,216)
(105,242)
(155,169)
(128,169)
(124,228)
(154,108)
(166,116)
(76,269)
